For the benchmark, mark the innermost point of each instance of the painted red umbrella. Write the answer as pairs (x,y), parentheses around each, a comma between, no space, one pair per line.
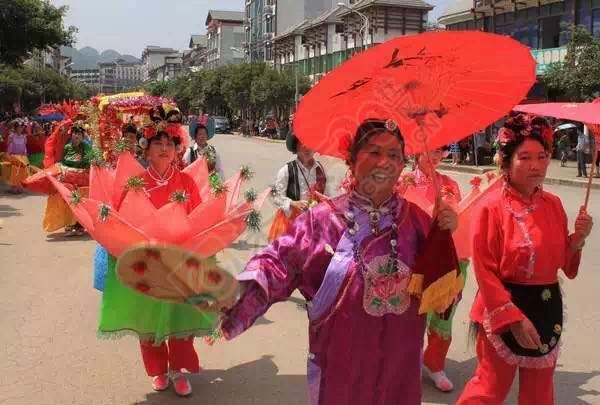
(438,86)
(587,113)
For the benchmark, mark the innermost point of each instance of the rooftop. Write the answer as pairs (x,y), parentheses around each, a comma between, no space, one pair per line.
(224,15)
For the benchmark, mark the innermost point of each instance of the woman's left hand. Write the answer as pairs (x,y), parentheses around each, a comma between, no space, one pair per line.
(446,217)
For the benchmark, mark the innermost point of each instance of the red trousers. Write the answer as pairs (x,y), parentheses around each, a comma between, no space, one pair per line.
(436,352)
(493,378)
(177,355)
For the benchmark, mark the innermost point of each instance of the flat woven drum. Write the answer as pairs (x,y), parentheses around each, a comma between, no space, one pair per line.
(166,272)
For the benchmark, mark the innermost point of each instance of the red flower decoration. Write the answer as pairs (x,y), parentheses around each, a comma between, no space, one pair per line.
(490,176)
(141,287)
(475,181)
(214,277)
(153,254)
(192,264)
(139,268)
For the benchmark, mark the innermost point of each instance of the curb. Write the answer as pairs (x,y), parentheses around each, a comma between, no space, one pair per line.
(554,181)
(263,139)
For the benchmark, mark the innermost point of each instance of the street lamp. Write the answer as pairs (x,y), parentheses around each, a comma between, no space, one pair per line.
(364,30)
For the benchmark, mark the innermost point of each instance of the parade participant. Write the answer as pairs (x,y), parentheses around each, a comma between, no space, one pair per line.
(518,310)
(129,136)
(17,156)
(365,332)
(296,186)
(35,145)
(76,156)
(439,331)
(201,148)
(166,330)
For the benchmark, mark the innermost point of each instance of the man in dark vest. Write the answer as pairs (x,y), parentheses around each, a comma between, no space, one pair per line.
(299,185)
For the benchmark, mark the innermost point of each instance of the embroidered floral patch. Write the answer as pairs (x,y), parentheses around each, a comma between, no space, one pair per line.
(546,295)
(385,288)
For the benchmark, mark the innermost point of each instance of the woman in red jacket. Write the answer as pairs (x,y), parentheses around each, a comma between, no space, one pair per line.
(518,308)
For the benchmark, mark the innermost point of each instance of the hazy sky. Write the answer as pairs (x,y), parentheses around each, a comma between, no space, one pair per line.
(127,26)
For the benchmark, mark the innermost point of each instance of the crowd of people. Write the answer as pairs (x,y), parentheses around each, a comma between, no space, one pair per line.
(357,255)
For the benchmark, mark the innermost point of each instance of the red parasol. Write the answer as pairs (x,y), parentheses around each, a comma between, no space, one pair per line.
(438,86)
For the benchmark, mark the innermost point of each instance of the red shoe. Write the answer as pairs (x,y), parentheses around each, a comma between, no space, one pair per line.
(182,386)
(160,382)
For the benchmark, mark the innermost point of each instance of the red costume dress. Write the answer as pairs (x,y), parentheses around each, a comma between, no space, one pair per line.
(517,252)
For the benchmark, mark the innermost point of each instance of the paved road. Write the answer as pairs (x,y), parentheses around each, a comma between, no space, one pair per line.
(49,353)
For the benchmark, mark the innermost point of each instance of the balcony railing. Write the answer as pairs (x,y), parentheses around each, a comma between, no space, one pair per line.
(321,64)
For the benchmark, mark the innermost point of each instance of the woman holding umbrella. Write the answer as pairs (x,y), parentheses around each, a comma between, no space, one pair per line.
(365,329)
(518,309)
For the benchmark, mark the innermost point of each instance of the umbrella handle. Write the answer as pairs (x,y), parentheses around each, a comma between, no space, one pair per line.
(436,186)
(589,184)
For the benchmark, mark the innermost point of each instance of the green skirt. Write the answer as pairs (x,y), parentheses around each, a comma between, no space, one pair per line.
(443,327)
(127,312)
(37,159)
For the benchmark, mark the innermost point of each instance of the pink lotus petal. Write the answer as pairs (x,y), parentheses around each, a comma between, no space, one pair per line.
(208,213)
(462,235)
(127,167)
(137,208)
(102,180)
(217,238)
(233,186)
(169,224)
(114,233)
(199,172)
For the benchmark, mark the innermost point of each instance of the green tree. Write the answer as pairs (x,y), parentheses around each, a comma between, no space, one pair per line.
(26,25)
(578,77)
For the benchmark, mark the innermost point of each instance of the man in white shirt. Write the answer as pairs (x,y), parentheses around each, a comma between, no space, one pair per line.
(297,186)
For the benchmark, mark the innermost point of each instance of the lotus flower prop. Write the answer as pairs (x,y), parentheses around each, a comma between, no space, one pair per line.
(118,214)
(465,209)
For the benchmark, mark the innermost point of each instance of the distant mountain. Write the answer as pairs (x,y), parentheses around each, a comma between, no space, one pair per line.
(88,57)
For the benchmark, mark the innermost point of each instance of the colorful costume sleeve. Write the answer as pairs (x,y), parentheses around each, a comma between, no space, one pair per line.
(271,276)
(487,251)
(281,184)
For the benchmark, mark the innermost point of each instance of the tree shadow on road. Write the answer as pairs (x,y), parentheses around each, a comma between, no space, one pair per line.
(244,245)
(9,211)
(568,385)
(256,382)
(62,237)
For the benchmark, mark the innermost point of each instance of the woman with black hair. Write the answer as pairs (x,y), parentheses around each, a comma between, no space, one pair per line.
(352,258)
(166,330)
(518,311)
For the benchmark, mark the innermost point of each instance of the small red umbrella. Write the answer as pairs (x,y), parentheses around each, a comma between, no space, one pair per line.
(438,86)
(588,113)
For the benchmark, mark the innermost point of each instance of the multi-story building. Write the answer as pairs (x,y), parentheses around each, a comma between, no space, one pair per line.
(541,26)
(89,77)
(195,58)
(172,68)
(50,58)
(154,57)
(260,25)
(318,44)
(225,37)
(119,75)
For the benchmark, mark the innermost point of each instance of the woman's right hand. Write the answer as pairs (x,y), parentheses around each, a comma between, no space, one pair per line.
(300,205)
(526,335)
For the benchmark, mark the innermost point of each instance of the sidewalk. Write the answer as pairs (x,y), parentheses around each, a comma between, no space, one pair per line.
(556,175)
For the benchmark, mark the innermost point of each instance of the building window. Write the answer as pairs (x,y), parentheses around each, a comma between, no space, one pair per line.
(596,22)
